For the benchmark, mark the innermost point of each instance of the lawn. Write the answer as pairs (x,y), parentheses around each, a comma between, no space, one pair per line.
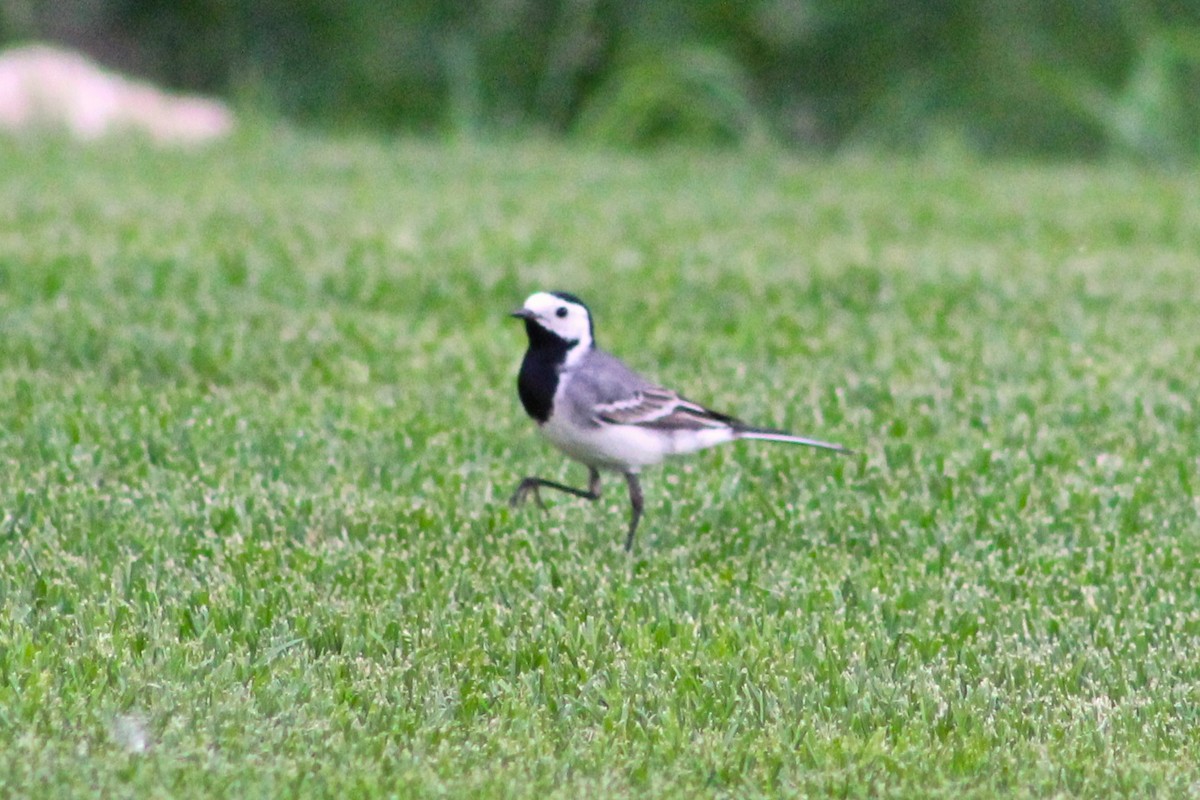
(259,425)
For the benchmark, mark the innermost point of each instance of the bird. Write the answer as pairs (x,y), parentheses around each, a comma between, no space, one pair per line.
(601,413)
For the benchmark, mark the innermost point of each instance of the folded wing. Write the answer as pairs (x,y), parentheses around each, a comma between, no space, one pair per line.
(661,409)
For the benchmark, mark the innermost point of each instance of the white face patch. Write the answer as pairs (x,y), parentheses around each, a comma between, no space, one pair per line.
(564,318)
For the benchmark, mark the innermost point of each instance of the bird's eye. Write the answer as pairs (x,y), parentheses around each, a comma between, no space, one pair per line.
(562,311)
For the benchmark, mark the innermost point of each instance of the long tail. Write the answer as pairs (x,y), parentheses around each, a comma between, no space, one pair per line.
(769,435)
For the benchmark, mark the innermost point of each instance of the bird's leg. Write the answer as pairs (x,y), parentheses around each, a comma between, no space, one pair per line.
(531,485)
(635,500)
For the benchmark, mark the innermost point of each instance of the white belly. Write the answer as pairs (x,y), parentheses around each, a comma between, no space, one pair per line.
(627,448)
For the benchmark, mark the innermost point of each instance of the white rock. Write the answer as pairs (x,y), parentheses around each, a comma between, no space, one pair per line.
(48,87)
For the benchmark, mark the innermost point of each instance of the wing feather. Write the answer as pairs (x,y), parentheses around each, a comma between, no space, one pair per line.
(661,409)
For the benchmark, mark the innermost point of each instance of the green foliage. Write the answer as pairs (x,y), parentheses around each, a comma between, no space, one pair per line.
(1153,117)
(260,426)
(692,95)
(994,76)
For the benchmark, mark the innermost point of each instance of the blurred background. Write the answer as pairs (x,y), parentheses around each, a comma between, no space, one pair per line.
(1026,78)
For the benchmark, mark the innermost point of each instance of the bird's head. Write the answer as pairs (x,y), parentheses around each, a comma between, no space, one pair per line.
(553,317)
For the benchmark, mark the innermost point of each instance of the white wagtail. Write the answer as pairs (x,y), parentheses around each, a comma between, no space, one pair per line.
(600,412)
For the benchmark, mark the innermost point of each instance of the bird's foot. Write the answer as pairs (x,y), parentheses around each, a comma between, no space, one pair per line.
(527,487)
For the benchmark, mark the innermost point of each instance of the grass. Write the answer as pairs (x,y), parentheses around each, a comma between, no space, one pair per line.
(260,424)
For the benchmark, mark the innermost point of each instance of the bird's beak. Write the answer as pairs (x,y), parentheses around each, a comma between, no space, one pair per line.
(523,313)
